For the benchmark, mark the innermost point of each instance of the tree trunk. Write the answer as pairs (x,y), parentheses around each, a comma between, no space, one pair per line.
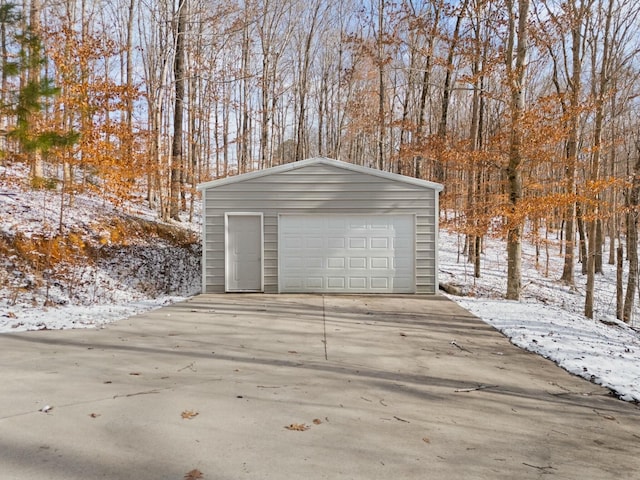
(576,14)
(33,76)
(632,254)
(129,79)
(612,235)
(582,238)
(381,87)
(478,251)
(426,87)
(244,144)
(178,113)
(591,261)
(619,286)
(599,91)
(446,91)
(599,241)
(303,87)
(632,240)
(516,68)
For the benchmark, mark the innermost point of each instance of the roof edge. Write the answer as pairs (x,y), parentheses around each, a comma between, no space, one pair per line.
(319,161)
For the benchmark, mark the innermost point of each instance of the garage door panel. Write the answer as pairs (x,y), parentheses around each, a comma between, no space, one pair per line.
(380,283)
(380,262)
(291,242)
(380,242)
(314,242)
(313,262)
(314,283)
(357,262)
(336,242)
(292,283)
(336,262)
(357,242)
(292,263)
(347,253)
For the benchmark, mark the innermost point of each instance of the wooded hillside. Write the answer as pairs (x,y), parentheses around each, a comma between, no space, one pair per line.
(526,110)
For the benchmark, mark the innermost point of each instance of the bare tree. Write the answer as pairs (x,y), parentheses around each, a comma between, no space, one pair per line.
(515,59)
(599,90)
(633,202)
(305,55)
(177,161)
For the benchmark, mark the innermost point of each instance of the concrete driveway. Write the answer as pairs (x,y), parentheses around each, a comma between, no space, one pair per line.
(372,387)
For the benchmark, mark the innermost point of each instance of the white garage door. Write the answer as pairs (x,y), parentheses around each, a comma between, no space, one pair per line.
(346,253)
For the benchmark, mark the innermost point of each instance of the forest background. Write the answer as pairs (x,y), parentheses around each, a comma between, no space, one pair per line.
(526,110)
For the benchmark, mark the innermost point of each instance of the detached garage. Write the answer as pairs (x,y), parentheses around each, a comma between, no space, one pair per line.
(320,226)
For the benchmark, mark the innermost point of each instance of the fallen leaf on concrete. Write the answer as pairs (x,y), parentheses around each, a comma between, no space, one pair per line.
(193,474)
(297,427)
(317,421)
(188,414)
(134,373)
(426,440)
(292,351)
(94,415)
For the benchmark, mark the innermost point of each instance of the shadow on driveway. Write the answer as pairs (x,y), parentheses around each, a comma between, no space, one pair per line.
(385,386)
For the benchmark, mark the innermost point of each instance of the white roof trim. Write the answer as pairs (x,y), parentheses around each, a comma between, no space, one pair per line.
(321,161)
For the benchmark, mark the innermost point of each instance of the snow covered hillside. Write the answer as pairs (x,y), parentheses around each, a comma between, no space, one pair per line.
(549,320)
(107,262)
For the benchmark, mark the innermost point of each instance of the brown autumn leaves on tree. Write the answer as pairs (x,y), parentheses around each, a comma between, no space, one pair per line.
(526,110)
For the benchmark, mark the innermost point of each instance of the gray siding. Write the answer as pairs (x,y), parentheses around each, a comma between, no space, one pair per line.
(317,189)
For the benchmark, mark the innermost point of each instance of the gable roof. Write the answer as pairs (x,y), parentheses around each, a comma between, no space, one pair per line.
(321,161)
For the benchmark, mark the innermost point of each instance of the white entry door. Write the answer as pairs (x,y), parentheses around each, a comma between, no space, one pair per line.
(244,267)
(346,253)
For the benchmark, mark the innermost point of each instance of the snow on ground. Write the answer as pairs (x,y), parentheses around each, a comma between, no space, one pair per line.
(123,276)
(548,320)
(76,316)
